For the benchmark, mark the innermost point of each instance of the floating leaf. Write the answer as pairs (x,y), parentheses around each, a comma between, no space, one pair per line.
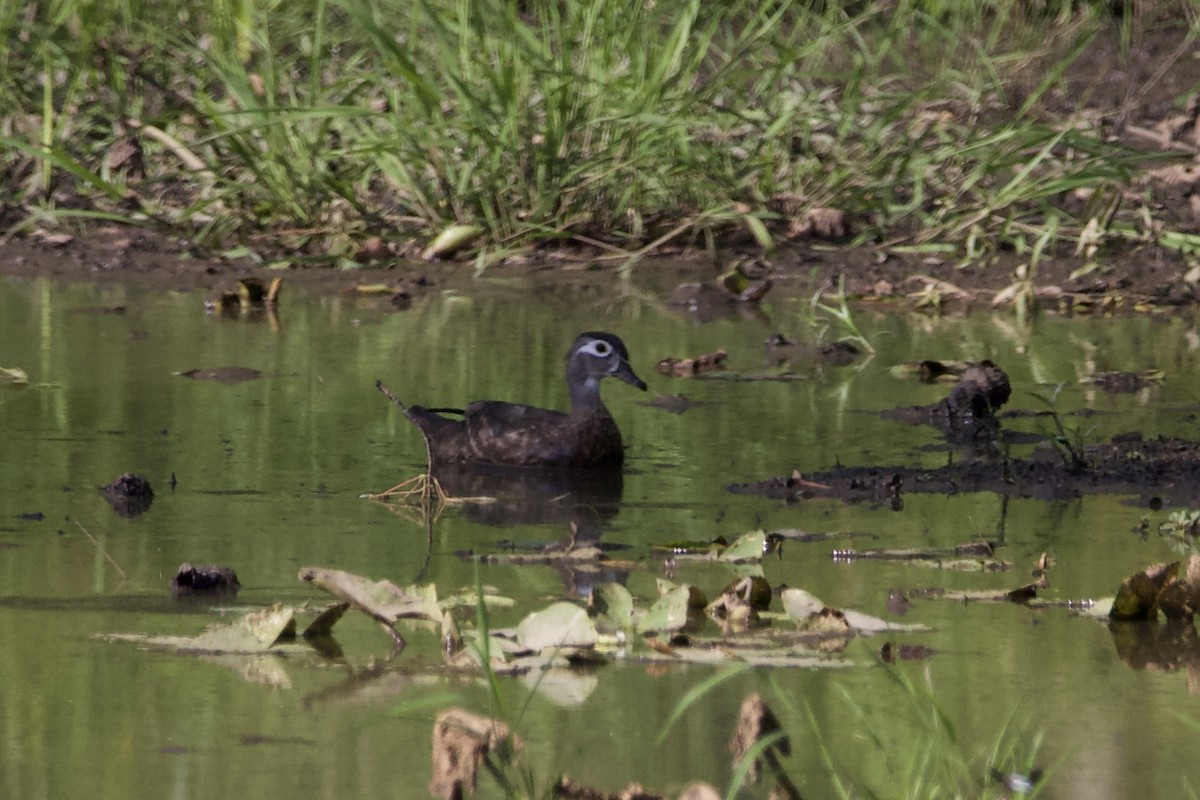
(612,607)
(669,612)
(380,599)
(14,375)
(747,547)
(799,604)
(808,609)
(560,625)
(256,632)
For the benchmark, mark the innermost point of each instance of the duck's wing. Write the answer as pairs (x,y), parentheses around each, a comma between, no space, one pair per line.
(519,435)
(527,436)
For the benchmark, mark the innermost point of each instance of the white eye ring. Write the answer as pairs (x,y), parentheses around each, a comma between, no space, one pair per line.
(601,348)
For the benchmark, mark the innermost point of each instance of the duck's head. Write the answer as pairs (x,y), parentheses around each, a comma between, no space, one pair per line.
(593,356)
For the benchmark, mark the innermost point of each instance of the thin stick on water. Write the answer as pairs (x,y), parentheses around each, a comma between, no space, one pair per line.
(100,547)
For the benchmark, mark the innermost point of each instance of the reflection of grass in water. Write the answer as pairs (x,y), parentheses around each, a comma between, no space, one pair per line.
(620,123)
(914,744)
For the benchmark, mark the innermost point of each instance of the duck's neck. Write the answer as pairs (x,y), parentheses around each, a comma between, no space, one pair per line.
(585,390)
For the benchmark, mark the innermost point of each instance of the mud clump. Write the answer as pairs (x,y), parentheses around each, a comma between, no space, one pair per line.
(129,495)
(208,580)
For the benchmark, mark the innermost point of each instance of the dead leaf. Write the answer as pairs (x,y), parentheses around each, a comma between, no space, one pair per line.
(741,601)
(1137,598)
(383,601)
(691,367)
(462,741)
(757,722)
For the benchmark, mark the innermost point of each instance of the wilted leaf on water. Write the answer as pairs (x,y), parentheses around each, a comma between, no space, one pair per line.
(256,632)
(226,375)
(741,600)
(1138,595)
(612,607)
(800,604)
(383,601)
(669,612)
(380,599)
(747,547)
(14,375)
(560,625)
(816,616)
(461,742)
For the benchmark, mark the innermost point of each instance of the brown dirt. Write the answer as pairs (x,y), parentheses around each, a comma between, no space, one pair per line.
(1158,472)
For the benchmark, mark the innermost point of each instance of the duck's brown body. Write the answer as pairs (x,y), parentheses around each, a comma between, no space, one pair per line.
(511,434)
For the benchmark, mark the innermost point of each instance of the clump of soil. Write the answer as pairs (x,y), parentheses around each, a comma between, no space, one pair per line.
(1153,469)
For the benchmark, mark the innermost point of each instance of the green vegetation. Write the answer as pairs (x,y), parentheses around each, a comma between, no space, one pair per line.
(1069,441)
(306,128)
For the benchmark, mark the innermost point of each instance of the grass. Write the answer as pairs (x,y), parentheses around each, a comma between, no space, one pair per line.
(302,130)
(912,744)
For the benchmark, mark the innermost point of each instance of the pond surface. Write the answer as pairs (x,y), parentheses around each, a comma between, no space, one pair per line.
(268,476)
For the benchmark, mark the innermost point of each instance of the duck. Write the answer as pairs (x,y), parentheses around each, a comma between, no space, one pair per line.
(493,432)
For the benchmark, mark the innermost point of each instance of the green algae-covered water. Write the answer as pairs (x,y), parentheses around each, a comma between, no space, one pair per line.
(265,476)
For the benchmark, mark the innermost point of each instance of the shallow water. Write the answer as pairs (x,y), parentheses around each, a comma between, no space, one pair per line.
(269,474)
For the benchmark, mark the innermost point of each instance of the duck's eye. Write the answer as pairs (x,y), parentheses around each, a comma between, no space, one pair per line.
(601,348)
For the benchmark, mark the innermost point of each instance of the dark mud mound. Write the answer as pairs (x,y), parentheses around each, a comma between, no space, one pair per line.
(1155,470)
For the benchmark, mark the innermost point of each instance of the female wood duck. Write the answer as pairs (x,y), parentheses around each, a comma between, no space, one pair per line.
(511,434)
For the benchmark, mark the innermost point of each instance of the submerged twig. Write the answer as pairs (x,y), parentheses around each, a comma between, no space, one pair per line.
(100,547)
